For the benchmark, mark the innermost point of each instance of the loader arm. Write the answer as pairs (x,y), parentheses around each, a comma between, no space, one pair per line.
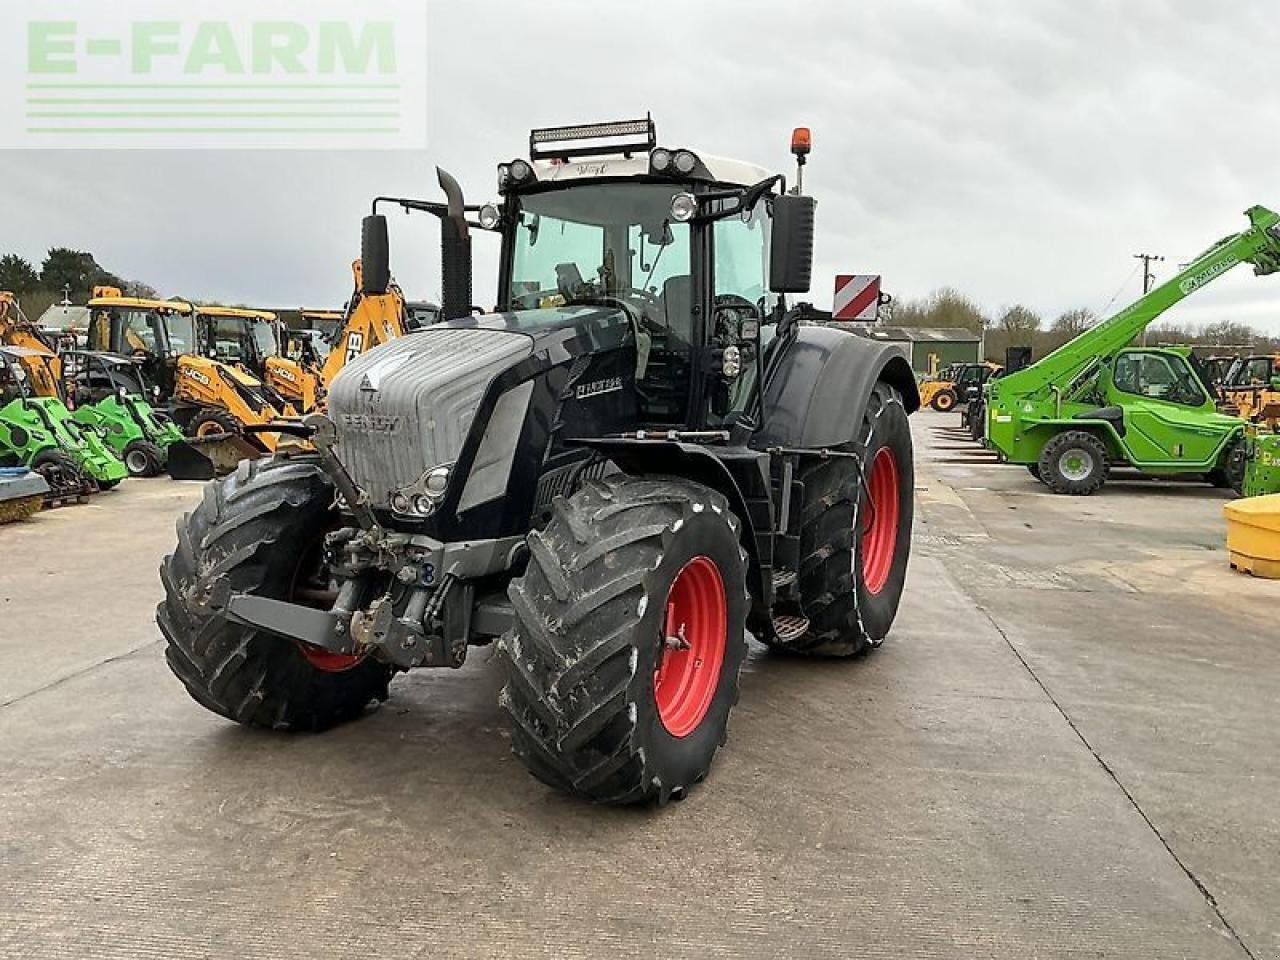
(370,320)
(1258,245)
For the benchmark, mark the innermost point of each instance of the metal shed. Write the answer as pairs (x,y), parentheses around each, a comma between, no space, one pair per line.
(929,348)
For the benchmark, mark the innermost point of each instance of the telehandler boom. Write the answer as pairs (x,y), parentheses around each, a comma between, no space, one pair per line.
(1096,400)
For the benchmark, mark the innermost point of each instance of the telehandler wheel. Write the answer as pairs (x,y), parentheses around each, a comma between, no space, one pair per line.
(262,528)
(944,400)
(855,536)
(1074,463)
(629,634)
(1235,462)
(210,422)
(143,458)
(1034,470)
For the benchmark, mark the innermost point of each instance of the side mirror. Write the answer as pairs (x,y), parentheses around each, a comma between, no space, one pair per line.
(791,254)
(375,256)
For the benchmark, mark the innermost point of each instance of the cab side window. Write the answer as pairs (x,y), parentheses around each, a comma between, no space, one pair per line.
(1158,377)
(743,306)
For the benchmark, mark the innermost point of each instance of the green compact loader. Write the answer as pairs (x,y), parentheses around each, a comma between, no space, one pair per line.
(109,393)
(39,432)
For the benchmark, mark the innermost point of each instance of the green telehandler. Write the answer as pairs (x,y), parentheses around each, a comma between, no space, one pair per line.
(39,432)
(1097,401)
(109,393)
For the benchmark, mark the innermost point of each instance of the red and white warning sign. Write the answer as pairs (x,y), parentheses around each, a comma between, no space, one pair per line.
(857,298)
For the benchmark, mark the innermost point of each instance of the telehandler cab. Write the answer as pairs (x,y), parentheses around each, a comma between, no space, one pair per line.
(1096,401)
(643,454)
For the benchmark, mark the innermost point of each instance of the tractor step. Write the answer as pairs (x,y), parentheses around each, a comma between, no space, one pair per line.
(789,627)
(783,578)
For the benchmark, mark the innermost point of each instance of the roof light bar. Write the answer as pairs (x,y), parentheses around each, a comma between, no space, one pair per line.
(593,139)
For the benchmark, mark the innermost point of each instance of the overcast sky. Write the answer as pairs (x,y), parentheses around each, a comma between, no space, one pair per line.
(1020,151)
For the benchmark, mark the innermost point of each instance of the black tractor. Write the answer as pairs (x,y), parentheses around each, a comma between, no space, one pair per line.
(643,454)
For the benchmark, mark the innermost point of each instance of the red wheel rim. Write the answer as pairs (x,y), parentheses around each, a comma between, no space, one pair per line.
(309,596)
(693,641)
(880,522)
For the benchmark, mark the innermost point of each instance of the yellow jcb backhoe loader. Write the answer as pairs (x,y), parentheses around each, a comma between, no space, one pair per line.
(255,340)
(217,404)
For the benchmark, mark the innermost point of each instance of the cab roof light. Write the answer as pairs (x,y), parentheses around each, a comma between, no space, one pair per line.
(801,142)
(593,139)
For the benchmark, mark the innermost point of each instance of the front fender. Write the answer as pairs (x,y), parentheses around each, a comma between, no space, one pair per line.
(817,391)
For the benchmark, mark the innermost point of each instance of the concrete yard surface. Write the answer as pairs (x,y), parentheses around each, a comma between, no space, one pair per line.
(1068,747)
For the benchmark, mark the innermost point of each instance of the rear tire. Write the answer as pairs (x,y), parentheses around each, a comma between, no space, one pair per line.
(211,421)
(143,458)
(944,401)
(850,602)
(586,700)
(258,527)
(1034,470)
(1074,463)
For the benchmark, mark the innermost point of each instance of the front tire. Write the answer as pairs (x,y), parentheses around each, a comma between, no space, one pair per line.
(143,458)
(1230,475)
(855,536)
(629,635)
(261,528)
(1074,463)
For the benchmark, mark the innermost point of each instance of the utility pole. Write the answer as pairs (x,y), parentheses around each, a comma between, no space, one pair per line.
(1148,278)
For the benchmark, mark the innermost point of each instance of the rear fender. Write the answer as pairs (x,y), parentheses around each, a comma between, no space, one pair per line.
(817,390)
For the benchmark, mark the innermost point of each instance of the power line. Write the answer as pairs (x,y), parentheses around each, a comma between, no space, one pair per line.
(1148,278)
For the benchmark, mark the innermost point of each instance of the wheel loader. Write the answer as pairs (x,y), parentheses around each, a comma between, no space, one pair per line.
(38,431)
(951,386)
(644,453)
(1096,401)
(219,406)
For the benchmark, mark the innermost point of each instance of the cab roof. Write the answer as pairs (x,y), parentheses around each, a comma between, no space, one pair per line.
(738,173)
(214,310)
(141,303)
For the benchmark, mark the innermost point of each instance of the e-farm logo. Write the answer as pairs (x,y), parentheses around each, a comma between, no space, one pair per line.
(266,74)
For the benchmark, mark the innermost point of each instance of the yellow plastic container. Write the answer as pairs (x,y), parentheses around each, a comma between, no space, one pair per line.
(1253,535)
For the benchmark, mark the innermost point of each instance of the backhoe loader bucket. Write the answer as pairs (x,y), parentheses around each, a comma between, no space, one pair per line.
(212,456)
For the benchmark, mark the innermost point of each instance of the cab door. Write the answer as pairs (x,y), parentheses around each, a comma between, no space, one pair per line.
(1168,415)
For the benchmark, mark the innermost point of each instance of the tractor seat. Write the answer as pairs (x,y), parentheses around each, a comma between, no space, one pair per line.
(1112,415)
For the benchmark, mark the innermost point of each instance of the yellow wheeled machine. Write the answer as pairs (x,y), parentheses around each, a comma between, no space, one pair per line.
(219,406)
(256,341)
(950,387)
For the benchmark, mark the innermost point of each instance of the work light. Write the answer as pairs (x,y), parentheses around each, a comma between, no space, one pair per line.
(683,207)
